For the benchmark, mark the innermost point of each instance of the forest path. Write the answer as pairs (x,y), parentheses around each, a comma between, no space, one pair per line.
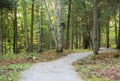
(58,70)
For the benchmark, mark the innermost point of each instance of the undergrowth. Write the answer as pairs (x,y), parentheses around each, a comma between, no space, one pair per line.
(11,72)
(103,67)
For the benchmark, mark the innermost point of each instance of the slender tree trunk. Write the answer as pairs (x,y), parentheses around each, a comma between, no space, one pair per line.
(72,38)
(25,26)
(95,24)
(118,41)
(32,21)
(51,44)
(99,31)
(15,39)
(68,25)
(76,33)
(107,33)
(50,21)
(115,28)
(59,29)
(38,26)
(1,41)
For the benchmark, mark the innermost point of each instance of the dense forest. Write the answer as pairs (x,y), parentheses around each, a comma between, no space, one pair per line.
(40,25)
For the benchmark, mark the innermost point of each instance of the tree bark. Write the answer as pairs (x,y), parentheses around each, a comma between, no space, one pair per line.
(25,27)
(59,29)
(76,32)
(118,41)
(15,39)
(38,26)
(107,33)
(31,32)
(68,25)
(95,24)
(1,41)
(116,36)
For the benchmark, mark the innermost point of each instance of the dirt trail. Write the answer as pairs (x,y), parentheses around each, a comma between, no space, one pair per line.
(58,70)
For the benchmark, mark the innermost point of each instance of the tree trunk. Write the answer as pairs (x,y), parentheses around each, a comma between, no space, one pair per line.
(118,41)
(99,32)
(72,38)
(25,26)
(95,24)
(31,32)
(50,21)
(115,28)
(1,41)
(59,29)
(107,33)
(51,44)
(68,25)
(38,26)
(76,33)
(15,39)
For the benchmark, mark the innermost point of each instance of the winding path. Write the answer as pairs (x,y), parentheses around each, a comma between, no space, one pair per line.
(58,70)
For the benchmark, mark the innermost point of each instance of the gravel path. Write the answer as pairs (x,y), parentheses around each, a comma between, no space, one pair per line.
(58,70)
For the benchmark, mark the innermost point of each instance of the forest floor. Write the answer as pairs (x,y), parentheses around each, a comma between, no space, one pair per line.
(103,67)
(51,66)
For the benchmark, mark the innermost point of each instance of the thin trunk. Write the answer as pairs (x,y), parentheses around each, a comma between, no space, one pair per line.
(118,41)
(15,39)
(25,27)
(116,36)
(99,35)
(50,39)
(32,21)
(38,26)
(1,41)
(68,25)
(72,38)
(59,29)
(76,33)
(107,33)
(99,32)
(50,21)
(95,24)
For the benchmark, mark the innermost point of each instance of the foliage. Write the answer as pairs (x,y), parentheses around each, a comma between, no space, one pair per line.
(7,3)
(12,71)
(104,67)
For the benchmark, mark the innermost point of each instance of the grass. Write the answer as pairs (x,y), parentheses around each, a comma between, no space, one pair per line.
(103,67)
(11,72)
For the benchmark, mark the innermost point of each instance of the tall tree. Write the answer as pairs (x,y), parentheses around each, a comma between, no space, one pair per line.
(118,41)
(32,23)
(95,24)
(25,26)
(38,27)
(1,41)
(15,38)
(107,33)
(115,20)
(59,27)
(68,24)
